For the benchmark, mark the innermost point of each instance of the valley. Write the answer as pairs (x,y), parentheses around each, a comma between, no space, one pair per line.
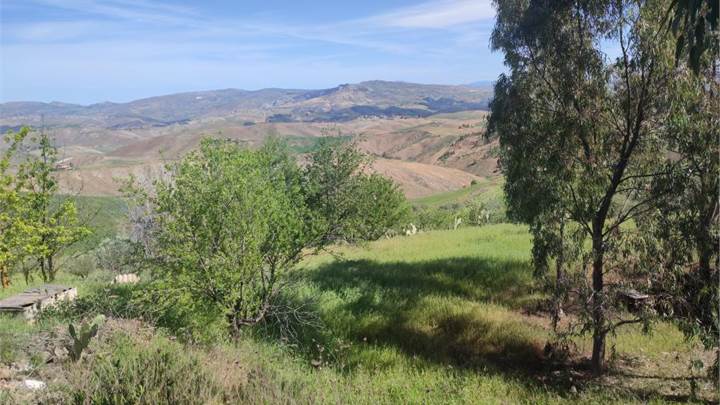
(425,145)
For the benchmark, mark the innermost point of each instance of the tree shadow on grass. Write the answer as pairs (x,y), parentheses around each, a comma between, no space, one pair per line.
(505,282)
(445,312)
(463,313)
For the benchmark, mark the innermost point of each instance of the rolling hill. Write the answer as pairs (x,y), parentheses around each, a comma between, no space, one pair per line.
(342,103)
(428,138)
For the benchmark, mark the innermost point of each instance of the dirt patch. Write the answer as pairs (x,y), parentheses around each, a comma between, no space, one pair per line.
(419,179)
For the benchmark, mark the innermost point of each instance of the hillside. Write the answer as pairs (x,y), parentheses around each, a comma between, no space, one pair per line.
(428,138)
(423,155)
(342,103)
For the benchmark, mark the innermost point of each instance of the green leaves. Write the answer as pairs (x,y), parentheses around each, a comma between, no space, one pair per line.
(33,220)
(17,231)
(346,202)
(231,222)
(695,24)
(580,136)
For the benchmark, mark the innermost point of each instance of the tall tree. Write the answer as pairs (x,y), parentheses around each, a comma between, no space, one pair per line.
(579,128)
(686,226)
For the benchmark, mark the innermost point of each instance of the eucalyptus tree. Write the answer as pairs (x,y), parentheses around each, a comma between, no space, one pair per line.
(578,132)
(696,24)
(684,231)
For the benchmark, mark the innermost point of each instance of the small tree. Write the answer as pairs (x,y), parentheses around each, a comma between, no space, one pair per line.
(17,233)
(230,222)
(55,219)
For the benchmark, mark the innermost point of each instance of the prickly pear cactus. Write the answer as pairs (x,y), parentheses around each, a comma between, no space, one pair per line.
(80,339)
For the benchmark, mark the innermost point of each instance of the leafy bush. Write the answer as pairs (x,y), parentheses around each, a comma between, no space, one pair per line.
(81,266)
(115,255)
(232,222)
(431,218)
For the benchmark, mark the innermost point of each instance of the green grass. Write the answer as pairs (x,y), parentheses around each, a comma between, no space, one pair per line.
(486,190)
(434,318)
(105,216)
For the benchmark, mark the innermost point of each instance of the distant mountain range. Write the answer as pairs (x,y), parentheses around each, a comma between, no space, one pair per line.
(339,104)
(482,84)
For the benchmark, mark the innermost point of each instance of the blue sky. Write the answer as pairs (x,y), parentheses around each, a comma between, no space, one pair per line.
(86,51)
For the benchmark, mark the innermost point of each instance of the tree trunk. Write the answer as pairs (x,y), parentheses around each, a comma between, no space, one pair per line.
(598,305)
(50,268)
(560,260)
(559,294)
(4,277)
(41,262)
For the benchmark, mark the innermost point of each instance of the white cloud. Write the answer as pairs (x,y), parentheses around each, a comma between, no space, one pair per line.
(438,14)
(52,31)
(124,49)
(132,10)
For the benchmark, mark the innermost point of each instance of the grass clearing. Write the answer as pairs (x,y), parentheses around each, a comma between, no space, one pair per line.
(437,318)
(433,318)
(486,189)
(105,216)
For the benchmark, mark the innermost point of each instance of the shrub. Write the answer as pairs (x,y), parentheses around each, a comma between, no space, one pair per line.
(115,255)
(231,222)
(116,301)
(81,266)
(430,218)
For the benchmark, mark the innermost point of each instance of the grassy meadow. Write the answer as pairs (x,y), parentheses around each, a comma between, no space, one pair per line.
(438,317)
(488,189)
(105,216)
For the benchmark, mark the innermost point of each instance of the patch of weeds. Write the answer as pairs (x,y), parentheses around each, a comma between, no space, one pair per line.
(8,348)
(158,371)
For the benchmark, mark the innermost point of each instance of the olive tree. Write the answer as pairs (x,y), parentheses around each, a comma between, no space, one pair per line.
(228,223)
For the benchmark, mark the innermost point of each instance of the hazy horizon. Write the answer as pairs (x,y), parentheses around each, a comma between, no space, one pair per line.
(90,51)
(478,83)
